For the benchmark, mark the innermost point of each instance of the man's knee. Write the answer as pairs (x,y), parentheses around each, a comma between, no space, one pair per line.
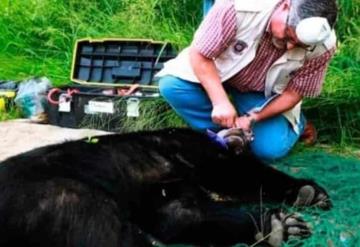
(274,138)
(166,87)
(270,151)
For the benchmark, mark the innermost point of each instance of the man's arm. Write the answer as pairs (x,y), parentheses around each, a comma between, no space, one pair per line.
(215,33)
(306,82)
(284,102)
(223,112)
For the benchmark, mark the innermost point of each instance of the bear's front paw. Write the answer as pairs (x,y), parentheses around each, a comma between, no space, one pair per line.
(283,227)
(312,195)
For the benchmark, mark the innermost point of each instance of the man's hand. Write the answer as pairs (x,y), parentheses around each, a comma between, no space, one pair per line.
(224,114)
(279,105)
(246,122)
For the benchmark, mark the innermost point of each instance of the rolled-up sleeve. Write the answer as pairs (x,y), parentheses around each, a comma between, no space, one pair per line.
(217,30)
(308,80)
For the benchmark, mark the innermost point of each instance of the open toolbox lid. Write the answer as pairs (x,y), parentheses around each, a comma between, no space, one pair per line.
(119,62)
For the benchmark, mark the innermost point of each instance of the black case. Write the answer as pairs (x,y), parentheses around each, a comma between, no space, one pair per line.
(100,70)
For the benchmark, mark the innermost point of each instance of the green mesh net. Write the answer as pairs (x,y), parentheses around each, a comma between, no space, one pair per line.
(338,227)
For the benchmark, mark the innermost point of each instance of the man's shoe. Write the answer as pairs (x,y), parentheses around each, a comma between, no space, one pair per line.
(309,136)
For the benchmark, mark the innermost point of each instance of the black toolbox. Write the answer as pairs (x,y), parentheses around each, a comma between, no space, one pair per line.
(113,83)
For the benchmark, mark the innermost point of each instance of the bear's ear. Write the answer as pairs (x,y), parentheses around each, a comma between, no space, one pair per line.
(211,134)
(216,138)
(236,139)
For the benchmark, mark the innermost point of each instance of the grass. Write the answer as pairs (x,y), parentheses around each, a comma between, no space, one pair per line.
(13,113)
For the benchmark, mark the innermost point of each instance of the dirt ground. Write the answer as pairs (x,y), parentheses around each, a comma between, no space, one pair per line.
(21,135)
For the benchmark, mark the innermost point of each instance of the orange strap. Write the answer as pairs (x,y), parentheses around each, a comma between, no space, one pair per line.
(125,92)
(69,93)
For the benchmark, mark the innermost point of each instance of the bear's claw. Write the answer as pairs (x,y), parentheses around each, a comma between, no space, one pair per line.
(310,195)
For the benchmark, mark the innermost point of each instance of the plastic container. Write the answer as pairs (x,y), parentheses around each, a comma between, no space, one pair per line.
(112,78)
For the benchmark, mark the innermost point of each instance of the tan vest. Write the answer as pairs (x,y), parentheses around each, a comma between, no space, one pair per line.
(252,20)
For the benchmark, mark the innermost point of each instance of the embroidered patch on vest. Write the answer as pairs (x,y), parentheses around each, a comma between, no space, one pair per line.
(240,46)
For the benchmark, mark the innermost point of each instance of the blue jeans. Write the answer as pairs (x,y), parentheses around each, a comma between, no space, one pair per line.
(274,137)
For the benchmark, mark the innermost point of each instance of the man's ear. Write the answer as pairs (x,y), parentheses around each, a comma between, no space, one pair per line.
(286,5)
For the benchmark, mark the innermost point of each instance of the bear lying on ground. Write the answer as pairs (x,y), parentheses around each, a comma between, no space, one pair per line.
(139,189)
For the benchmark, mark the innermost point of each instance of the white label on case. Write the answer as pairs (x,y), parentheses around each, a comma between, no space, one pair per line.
(100,107)
(64,103)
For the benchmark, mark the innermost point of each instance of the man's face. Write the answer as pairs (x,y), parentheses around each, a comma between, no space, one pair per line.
(284,36)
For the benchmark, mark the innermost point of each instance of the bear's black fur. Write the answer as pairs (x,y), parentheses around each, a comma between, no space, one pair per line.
(123,190)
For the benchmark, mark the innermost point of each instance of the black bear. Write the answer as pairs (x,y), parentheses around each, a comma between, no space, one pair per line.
(147,188)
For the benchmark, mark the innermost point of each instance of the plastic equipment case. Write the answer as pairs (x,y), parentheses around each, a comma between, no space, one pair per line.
(112,78)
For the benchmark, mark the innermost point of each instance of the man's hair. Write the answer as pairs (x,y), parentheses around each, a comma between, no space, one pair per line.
(301,9)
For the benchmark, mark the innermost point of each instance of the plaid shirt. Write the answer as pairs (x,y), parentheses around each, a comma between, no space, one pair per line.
(217,32)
